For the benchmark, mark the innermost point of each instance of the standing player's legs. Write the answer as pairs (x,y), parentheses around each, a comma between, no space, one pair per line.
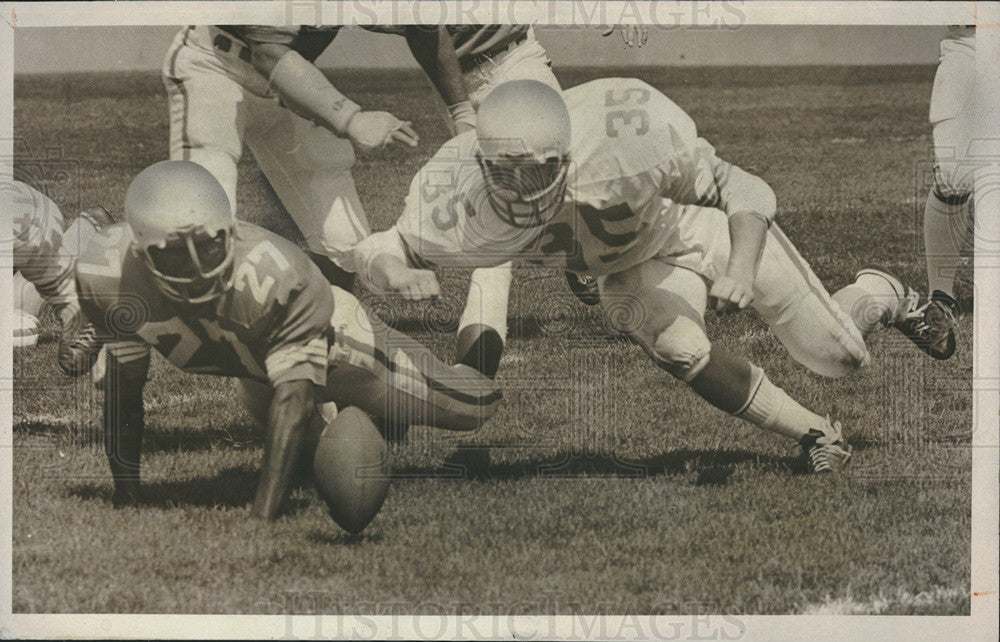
(666,306)
(310,171)
(208,111)
(948,213)
(482,328)
(396,379)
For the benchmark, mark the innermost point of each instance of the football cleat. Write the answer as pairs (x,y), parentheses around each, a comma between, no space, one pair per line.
(584,287)
(825,451)
(78,348)
(932,326)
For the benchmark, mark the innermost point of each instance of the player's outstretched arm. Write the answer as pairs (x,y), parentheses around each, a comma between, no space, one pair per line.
(307,92)
(124,418)
(385,266)
(288,442)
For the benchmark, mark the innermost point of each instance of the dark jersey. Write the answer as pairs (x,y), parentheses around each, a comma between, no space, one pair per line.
(272,325)
(309,42)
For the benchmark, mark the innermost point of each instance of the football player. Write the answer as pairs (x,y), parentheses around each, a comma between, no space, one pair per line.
(257,85)
(948,213)
(611,179)
(490,55)
(45,262)
(227,298)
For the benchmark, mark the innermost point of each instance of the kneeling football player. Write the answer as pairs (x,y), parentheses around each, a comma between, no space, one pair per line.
(220,297)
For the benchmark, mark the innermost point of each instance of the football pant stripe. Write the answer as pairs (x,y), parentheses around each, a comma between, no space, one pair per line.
(420,378)
(179,85)
(806,272)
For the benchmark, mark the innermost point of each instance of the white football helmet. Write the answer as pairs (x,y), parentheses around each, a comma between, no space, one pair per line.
(183,227)
(523,131)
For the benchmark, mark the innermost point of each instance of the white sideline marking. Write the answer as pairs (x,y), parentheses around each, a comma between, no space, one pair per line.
(879,604)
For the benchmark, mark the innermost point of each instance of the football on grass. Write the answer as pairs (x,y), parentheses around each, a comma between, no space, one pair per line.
(351,469)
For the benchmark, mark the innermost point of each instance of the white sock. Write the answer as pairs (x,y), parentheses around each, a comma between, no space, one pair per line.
(872,302)
(947,228)
(489,289)
(770,408)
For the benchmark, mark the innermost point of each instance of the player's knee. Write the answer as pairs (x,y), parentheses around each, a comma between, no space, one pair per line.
(952,185)
(682,349)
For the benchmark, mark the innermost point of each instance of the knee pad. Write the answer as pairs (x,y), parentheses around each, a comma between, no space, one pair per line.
(952,186)
(682,349)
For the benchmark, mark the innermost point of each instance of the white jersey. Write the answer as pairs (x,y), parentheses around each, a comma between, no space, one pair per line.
(39,253)
(631,148)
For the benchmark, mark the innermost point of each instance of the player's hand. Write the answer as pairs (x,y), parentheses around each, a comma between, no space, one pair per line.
(415,285)
(632,35)
(373,130)
(730,294)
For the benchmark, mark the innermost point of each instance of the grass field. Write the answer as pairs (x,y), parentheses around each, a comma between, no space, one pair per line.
(602,486)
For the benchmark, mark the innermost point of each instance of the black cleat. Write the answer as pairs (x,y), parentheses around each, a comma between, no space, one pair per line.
(584,287)
(78,348)
(932,326)
(825,452)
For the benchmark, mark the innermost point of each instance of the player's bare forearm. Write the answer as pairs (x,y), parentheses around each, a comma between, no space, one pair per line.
(434,50)
(304,89)
(734,290)
(124,421)
(288,436)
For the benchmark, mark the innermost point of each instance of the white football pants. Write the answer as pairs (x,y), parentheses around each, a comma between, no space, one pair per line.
(219,102)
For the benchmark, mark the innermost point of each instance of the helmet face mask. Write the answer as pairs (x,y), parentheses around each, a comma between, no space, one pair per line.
(523,132)
(193,267)
(183,230)
(523,191)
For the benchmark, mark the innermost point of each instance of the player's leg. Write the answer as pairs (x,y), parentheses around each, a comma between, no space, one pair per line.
(310,171)
(482,328)
(948,212)
(823,333)
(208,110)
(399,381)
(662,307)
(526,61)
(256,397)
